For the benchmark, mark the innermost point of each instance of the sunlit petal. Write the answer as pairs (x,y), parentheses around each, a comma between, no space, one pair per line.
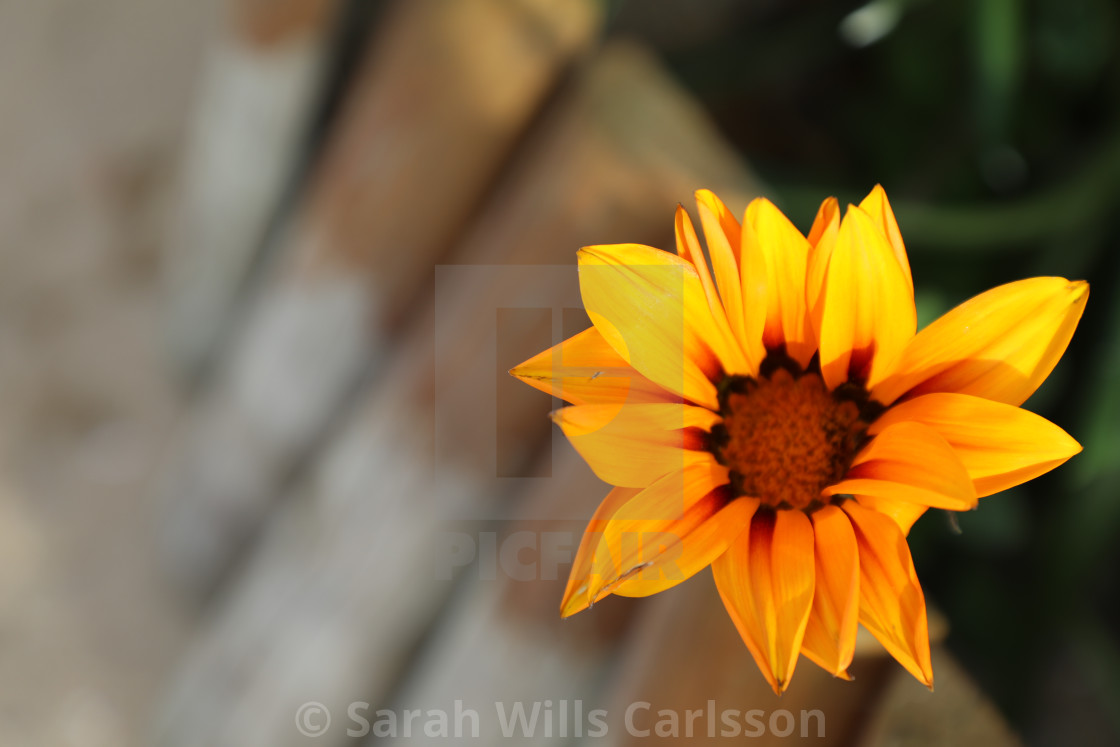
(891,604)
(878,207)
(575,593)
(1000,445)
(866,311)
(778,256)
(766,581)
(650,307)
(664,533)
(634,445)
(688,246)
(584,369)
(999,345)
(910,462)
(830,636)
(822,239)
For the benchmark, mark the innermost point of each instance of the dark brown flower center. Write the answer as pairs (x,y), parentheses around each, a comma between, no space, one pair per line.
(786,437)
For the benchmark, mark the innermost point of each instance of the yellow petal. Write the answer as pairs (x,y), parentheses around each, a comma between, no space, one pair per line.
(575,593)
(724,236)
(910,462)
(664,532)
(766,581)
(1000,445)
(584,369)
(999,345)
(830,636)
(777,252)
(866,311)
(826,224)
(879,208)
(725,220)
(891,604)
(688,246)
(650,307)
(634,445)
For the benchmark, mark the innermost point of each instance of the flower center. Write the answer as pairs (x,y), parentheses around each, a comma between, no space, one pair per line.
(785,437)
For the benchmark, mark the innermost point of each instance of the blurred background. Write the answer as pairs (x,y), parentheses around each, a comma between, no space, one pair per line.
(264,264)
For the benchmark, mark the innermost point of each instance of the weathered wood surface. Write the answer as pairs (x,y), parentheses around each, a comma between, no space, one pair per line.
(957,713)
(263,79)
(424,129)
(93,98)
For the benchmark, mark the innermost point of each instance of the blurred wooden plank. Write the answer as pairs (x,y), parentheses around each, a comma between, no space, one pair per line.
(353,569)
(257,98)
(956,713)
(446,90)
(501,640)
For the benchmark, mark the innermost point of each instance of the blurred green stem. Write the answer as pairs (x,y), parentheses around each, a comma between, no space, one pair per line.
(1084,198)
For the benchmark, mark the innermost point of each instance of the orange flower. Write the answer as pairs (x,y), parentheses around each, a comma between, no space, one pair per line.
(778,418)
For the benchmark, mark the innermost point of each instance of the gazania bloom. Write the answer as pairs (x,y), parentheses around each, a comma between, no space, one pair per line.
(777,417)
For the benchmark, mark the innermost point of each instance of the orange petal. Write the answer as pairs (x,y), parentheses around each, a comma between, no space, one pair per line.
(830,636)
(822,239)
(668,532)
(902,513)
(650,307)
(891,604)
(696,550)
(575,593)
(910,462)
(866,313)
(1000,445)
(766,582)
(999,345)
(779,253)
(634,445)
(879,208)
(688,246)
(584,369)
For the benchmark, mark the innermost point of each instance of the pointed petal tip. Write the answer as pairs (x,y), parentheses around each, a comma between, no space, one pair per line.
(574,601)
